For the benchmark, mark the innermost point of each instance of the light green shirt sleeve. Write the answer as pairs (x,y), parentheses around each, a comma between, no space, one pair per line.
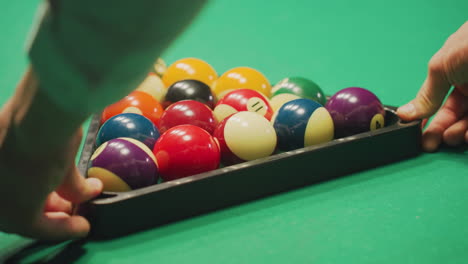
(90,53)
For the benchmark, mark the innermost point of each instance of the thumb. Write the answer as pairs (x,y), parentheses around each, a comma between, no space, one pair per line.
(431,95)
(74,187)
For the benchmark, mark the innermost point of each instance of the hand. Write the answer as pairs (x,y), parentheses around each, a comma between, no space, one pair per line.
(447,68)
(38,177)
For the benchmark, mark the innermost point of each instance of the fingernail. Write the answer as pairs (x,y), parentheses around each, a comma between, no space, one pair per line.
(431,142)
(95,184)
(408,109)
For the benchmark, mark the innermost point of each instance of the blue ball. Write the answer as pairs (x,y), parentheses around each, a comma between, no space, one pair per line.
(302,122)
(128,125)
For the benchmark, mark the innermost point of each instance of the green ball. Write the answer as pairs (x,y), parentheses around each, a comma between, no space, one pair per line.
(301,87)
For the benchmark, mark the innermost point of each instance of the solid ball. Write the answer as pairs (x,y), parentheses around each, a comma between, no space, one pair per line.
(241,77)
(128,125)
(355,110)
(136,102)
(190,68)
(188,112)
(123,164)
(302,123)
(301,87)
(243,100)
(186,150)
(153,86)
(279,100)
(245,136)
(189,90)
(159,67)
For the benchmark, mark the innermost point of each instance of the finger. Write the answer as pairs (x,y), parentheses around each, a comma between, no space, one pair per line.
(77,189)
(55,203)
(454,108)
(455,134)
(430,96)
(55,226)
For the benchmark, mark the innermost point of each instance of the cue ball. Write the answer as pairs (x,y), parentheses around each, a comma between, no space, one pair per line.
(186,150)
(355,110)
(301,123)
(245,136)
(128,125)
(123,164)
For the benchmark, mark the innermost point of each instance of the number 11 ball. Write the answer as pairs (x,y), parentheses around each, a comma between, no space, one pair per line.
(355,110)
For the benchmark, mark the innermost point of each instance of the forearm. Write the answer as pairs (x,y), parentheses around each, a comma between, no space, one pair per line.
(90,53)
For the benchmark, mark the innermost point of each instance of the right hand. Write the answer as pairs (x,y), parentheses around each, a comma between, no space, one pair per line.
(447,68)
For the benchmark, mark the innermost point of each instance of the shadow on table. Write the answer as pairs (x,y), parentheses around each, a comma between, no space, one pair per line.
(66,252)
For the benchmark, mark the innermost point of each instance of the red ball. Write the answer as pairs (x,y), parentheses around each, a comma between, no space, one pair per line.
(243,100)
(136,102)
(188,112)
(186,150)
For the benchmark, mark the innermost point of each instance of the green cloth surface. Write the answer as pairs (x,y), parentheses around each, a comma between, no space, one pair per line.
(414,211)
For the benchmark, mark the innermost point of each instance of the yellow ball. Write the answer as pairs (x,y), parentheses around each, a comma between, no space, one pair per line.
(241,77)
(190,68)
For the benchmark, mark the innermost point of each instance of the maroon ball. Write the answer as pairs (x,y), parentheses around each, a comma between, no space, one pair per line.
(123,164)
(355,110)
(188,112)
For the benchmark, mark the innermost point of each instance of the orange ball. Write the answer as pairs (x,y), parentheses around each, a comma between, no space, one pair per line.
(190,68)
(136,102)
(241,78)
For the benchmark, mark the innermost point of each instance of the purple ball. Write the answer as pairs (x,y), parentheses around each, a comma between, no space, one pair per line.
(123,164)
(355,110)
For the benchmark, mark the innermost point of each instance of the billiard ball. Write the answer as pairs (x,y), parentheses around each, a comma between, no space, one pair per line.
(190,68)
(159,67)
(153,86)
(123,164)
(301,123)
(245,136)
(136,102)
(301,87)
(280,99)
(186,150)
(128,125)
(355,110)
(188,112)
(241,77)
(243,100)
(189,90)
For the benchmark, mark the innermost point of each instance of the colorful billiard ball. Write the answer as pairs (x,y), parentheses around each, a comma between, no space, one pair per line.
(128,125)
(241,77)
(355,110)
(190,68)
(280,99)
(188,112)
(245,136)
(189,90)
(159,67)
(136,102)
(186,150)
(301,87)
(123,164)
(302,123)
(153,86)
(243,100)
